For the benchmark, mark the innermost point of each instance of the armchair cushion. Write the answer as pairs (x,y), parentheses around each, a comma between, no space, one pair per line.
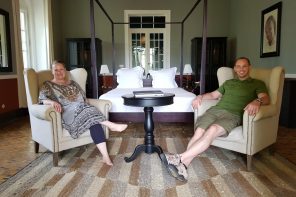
(235,135)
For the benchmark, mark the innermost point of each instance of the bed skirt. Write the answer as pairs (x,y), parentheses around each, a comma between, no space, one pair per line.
(157,117)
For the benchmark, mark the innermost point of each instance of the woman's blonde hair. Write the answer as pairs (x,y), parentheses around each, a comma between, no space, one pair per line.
(58,62)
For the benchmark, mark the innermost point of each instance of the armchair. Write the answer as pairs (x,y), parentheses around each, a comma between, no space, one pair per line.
(256,132)
(45,122)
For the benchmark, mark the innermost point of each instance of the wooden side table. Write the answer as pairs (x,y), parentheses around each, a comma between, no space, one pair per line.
(148,103)
(106,82)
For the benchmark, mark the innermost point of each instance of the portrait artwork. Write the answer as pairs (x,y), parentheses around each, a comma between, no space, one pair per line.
(270,31)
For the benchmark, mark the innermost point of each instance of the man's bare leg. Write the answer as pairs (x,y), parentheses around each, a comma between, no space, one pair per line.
(202,144)
(197,135)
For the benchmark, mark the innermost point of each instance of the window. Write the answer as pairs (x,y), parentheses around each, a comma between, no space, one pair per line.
(147,39)
(25,38)
(147,21)
(36,34)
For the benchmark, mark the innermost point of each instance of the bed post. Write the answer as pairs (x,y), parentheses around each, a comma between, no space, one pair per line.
(182,40)
(181,59)
(203,50)
(113,57)
(94,72)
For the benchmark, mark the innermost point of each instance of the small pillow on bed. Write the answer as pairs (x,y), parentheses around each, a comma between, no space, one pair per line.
(130,77)
(164,78)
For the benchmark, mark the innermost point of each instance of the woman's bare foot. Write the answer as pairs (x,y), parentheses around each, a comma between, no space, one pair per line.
(107,161)
(114,126)
(118,127)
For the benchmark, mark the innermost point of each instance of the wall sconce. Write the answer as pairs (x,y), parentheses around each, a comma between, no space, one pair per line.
(187,71)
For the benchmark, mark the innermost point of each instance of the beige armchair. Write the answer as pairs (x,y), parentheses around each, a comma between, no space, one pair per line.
(45,122)
(256,133)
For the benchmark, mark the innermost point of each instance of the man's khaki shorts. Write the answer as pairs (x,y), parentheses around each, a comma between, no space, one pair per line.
(220,117)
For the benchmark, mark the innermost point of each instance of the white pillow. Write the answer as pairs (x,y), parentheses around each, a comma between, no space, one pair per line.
(164,78)
(130,77)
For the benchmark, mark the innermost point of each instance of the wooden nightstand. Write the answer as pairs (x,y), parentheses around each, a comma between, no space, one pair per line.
(196,89)
(187,82)
(106,82)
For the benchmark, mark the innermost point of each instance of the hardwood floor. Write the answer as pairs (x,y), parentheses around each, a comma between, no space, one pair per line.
(17,148)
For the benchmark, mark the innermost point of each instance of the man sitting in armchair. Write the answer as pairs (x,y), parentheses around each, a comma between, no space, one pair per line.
(237,95)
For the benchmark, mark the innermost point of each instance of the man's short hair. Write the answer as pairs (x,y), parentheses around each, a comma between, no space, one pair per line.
(242,58)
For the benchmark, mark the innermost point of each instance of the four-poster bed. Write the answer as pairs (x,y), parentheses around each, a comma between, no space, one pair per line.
(163,116)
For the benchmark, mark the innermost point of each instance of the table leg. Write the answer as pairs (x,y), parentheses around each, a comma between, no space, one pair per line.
(149,146)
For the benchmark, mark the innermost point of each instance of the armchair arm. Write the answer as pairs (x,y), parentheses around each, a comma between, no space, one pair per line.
(103,105)
(261,130)
(266,111)
(42,111)
(205,105)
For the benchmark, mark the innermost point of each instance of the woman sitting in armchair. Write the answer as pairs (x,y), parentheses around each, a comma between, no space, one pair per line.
(67,97)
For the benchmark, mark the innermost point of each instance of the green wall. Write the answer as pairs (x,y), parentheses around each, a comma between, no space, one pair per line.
(73,21)
(245,33)
(239,20)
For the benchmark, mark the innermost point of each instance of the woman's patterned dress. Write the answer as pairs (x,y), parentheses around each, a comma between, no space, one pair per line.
(77,115)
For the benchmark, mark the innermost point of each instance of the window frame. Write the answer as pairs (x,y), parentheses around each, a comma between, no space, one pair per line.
(166,31)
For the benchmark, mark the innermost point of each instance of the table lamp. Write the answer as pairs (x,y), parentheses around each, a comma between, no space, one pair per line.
(104,70)
(187,71)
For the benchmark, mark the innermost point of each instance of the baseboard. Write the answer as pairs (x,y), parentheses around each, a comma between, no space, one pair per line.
(8,117)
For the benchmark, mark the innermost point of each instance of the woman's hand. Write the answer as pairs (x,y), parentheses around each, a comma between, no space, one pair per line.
(56,106)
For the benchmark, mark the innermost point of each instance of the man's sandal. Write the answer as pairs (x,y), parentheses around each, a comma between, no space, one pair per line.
(179,171)
(175,167)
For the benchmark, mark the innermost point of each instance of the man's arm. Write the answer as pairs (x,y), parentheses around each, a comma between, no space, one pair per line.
(207,96)
(253,107)
(263,99)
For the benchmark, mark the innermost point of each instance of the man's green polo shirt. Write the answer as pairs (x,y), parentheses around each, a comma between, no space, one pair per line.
(238,93)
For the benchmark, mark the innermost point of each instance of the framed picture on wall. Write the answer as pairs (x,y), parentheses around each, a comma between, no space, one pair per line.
(271,31)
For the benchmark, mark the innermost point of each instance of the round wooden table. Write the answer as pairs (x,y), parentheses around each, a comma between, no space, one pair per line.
(148,103)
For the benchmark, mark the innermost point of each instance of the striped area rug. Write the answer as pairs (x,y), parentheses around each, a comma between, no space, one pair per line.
(217,172)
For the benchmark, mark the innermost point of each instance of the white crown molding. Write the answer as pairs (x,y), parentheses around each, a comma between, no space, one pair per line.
(290,75)
(8,76)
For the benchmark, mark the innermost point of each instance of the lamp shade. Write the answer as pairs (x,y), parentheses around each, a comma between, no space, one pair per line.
(104,69)
(187,69)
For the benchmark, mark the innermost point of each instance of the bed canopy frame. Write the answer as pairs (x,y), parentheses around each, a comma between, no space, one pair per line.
(94,72)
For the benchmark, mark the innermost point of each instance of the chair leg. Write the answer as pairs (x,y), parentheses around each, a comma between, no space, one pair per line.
(249,163)
(36,147)
(55,159)
(272,149)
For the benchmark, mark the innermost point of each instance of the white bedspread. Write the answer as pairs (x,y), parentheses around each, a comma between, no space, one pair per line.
(182,100)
